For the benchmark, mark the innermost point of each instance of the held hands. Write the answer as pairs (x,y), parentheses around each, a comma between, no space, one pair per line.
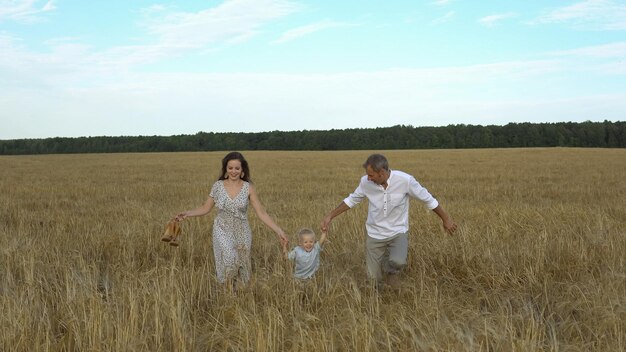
(284,241)
(285,249)
(325,224)
(324,239)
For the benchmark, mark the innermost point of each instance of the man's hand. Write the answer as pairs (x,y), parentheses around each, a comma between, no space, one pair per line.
(449,226)
(325,224)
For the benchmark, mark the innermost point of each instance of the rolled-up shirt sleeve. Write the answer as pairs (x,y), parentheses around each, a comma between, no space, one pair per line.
(417,191)
(355,197)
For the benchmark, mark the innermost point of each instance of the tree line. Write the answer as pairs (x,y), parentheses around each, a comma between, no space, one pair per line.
(605,134)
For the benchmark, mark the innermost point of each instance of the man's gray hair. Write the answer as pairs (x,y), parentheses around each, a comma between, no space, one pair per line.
(377,162)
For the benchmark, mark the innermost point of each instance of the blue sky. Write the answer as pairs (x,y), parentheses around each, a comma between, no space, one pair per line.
(92,68)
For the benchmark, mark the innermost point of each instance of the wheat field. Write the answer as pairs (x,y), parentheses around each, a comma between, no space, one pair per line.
(538,262)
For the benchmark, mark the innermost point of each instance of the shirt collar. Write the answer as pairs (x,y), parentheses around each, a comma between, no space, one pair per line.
(390,175)
(388,180)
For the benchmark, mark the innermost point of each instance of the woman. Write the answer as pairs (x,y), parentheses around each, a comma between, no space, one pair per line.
(232,237)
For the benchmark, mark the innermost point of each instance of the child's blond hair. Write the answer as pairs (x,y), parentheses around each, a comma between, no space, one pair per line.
(304,232)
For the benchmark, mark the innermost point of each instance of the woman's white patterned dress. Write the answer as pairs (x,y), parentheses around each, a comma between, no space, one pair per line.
(232,236)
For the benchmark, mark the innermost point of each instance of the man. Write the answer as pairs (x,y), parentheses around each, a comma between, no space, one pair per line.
(387,222)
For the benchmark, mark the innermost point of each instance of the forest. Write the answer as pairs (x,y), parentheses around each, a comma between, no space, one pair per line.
(605,134)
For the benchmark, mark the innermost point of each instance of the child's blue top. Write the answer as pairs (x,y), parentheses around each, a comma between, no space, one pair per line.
(307,263)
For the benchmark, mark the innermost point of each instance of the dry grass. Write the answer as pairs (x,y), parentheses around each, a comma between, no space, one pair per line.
(537,265)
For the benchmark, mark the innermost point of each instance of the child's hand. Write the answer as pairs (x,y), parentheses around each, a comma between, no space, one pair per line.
(285,251)
(323,237)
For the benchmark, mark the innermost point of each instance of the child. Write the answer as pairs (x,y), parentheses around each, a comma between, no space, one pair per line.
(306,254)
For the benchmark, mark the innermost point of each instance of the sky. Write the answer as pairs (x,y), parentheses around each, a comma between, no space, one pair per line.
(72,68)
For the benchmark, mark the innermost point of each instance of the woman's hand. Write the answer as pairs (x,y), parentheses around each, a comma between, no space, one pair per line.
(181,216)
(285,249)
(284,241)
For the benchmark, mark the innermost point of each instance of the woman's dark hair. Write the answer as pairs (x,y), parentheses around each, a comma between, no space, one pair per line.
(244,165)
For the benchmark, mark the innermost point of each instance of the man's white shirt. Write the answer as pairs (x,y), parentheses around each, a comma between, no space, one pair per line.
(388,210)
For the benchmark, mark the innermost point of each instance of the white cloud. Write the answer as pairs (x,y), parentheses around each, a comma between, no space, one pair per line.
(50,93)
(147,103)
(156,8)
(490,21)
(608,59)
(443,19)
(296,33)
(589,14)
(612,50)
(614,68)
(49,6)
(441,2)
(231,20)
(24,10)
(177,33)
(579,108)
